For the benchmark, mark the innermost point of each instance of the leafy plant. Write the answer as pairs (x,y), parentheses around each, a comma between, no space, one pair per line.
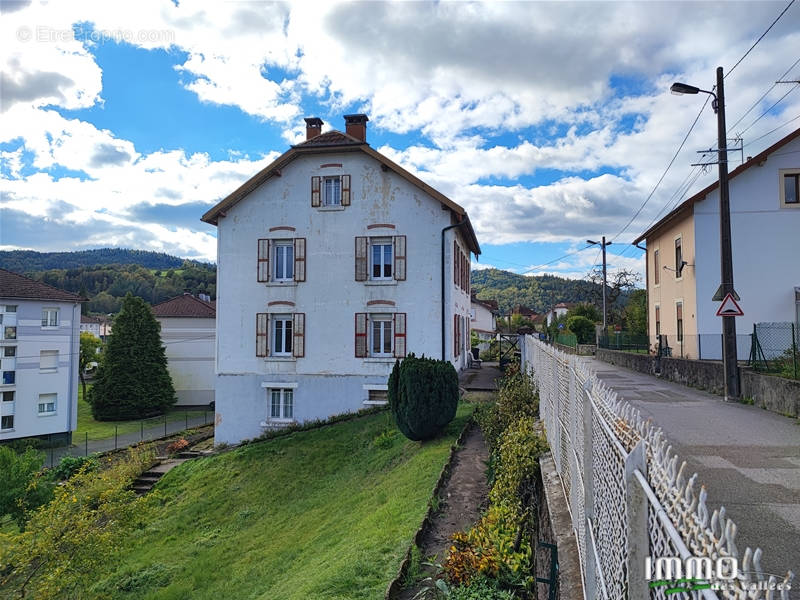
(23,486)
(69,465)
(517,464)
(582,327)
(176,446)
(423,396)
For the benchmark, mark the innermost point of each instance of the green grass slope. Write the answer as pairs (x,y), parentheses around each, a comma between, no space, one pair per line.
(323,514)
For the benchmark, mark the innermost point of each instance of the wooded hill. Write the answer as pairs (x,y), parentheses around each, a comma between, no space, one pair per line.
(152,276)
(539,293)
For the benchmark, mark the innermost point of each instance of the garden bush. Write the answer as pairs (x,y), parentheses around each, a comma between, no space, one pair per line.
(423,396)
(69,465)
(516,464)
(582,327)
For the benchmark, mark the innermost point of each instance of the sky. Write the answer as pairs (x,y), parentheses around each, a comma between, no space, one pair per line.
(550,122)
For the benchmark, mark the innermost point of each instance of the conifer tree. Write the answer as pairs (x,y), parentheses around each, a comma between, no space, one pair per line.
(132,381)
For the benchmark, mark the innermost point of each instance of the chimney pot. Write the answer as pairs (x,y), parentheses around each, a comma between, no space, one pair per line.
(313,127)
(356,126)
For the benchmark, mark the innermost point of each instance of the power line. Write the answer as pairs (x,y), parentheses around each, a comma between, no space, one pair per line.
(763,114)
(773,130)
(539,266)
(778,18)
(757,102)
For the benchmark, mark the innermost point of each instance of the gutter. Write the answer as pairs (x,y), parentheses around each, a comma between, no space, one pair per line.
(459,224)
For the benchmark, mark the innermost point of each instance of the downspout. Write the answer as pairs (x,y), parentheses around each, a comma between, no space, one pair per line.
(72,370)
(444,345)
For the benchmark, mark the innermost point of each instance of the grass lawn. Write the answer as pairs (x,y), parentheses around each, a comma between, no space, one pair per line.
(99,430)
(323,514)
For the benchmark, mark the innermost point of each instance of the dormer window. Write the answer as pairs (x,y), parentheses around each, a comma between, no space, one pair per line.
(332,191)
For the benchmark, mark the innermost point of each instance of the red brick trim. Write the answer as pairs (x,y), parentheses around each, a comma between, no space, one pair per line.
(282,228)
(383,225)
(280,303)
(386,302)
(326,165)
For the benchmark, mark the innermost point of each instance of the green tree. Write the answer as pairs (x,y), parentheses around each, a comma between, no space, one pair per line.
(132,381)
(636,313)
(585,310)
(22,485)
(88,353)
(582,327)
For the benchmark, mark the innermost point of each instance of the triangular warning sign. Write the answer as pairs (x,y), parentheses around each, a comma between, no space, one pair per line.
(729,308)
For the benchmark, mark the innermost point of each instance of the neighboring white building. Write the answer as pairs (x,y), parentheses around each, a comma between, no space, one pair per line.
(332,262)
(39,341)
(558,311)
(683,256)
(188,326)
(483,320)
(91,325)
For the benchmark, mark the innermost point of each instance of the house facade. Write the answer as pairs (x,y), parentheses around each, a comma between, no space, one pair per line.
(483,320)
(188,327)
(683,256)
(91,325)
(558,311)
(39,343)
(333,262)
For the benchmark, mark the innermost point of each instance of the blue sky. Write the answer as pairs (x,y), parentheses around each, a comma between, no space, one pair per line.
(120,124)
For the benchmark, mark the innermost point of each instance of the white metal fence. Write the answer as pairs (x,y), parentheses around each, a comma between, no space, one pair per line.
(628,496)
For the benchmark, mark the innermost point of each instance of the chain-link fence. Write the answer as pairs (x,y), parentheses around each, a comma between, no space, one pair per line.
(775,349)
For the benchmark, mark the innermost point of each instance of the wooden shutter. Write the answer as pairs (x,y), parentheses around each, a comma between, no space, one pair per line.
(263,260)
(299,332)
(400,258)
(345,190)
(455,262)
(399,334)
(262,334)
(469,276)
(361,258)
(315,180)
(299,259)
(361,335)
(455,335)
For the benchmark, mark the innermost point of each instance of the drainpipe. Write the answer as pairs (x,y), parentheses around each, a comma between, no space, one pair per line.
(76,358)
(444,345)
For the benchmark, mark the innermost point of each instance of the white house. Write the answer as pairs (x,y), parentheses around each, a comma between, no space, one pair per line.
(483,320)
(91,325)
(39,341)
(683,256)
(332,262)
(188,326)
(558,311)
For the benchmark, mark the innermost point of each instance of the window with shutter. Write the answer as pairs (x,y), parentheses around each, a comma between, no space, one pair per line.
(455,262)
(263,260)
(361,258)
(283,260)
(299,348)
(315,184)
(361,335)
(345,190)
(400,257)
(400,335)
(455,336)
(262,334)
(300,259)
(380,339)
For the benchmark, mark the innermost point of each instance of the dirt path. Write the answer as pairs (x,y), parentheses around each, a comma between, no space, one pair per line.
(463,498)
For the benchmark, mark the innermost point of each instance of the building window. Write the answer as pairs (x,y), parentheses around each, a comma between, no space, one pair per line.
(381,258)
(656,268)
(49,317)
(9,332)
(282,335)
(47,404)
(284,260)
(679,317)
(281,403)
(332,191)
(790,187)
(377,396)
(381,335)
(8,396)
(658,320)
(9,377)
(678,259)
(48,361)
(9,351)
(11,308)
(7,422)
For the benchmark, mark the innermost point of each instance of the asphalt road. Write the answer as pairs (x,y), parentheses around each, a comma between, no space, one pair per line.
(748,459)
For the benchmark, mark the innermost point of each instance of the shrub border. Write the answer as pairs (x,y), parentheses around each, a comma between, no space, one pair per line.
(396,585)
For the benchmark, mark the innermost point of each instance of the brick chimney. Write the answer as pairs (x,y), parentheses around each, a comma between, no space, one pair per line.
(356,126)
(313,127)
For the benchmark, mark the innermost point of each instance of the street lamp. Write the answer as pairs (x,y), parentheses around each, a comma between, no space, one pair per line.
(729,358)
(603,244)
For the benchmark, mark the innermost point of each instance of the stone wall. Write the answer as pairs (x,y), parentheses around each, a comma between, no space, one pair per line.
(776,394)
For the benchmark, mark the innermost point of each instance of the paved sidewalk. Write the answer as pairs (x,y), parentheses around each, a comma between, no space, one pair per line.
(748,459)
(481,380)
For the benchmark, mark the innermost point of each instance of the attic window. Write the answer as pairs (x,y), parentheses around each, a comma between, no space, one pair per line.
(332,191)
(790,188)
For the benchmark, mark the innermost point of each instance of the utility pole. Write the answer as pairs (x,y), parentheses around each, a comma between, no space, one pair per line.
(603,244)
(730,361)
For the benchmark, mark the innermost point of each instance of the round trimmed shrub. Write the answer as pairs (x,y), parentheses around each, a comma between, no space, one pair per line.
(423,396)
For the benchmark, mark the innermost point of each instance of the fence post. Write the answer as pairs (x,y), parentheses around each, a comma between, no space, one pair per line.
(186,418)
(115,436)
(165,424)
(794,351)
(636,513)
(588,493)
(141,430)
(86,443)
(556,413)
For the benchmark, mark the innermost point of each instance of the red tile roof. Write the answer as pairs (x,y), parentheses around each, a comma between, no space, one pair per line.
(88,319)
(185,306)
(14,285)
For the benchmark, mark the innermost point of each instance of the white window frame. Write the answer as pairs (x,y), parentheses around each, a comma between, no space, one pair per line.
(11,308)
(50,404)
(284,247)
(9,329)
(12,394)
(48,322)
(13,353)
(380,321)
(287,334)
(678,270)
(3,377)
(7,428)
(336,188)
(48,368)
(282,394)
(383,243)
(782,187)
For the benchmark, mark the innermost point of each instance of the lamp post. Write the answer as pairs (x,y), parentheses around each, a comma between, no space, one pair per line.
(729,358)
(603,244)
